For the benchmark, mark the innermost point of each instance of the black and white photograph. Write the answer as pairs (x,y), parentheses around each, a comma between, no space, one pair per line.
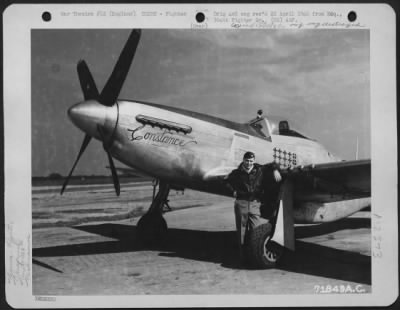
(201,162)
(196,103)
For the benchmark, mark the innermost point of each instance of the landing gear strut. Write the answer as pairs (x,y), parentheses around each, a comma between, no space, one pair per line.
(268,241)
(152,227)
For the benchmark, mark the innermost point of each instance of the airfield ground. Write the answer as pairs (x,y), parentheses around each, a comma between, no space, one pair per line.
(84,244)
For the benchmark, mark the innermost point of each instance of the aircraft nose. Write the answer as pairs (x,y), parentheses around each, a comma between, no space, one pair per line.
(89,115)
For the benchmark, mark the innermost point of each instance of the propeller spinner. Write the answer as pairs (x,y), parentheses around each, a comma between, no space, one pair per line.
(98,114)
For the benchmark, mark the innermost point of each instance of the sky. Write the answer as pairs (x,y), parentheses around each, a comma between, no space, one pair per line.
(317,79)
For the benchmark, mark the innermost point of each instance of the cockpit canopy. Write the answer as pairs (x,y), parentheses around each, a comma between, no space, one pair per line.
(265,128)
(284,130)
(261,126)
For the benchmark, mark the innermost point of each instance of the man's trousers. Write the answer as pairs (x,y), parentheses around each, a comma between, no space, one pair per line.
(247,215)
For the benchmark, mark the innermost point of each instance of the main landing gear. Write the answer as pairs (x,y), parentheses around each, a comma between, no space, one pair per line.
(268,241)
(263,252)
(152,227)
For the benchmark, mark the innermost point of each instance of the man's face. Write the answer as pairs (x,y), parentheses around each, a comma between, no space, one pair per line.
(248,163)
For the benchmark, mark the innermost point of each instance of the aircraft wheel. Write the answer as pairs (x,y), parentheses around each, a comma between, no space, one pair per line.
(151,229)
(263,252)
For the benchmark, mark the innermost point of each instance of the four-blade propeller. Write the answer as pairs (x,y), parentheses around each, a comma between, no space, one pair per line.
(108,97)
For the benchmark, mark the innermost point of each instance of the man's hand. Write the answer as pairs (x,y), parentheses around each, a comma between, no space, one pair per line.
(234,194)
(277,176)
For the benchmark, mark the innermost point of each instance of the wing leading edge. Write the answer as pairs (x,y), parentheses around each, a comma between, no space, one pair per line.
(332,181)
(326,182)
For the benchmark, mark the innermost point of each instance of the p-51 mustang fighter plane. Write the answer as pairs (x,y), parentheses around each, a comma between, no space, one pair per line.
(184,149)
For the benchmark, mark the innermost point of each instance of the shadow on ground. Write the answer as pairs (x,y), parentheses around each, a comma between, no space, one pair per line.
(220,247)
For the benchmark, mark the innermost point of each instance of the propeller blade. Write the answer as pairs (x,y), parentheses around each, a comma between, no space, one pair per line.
(90,91)
(154,190)
(102,134)
(85,143)
(108,96)
(111,90)
(114,173)
(86,80)
(111,162)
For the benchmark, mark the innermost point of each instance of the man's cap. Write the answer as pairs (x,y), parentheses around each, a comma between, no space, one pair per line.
(248,155)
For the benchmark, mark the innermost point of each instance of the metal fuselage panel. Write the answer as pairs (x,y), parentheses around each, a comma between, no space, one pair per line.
(167,154)
(184,159)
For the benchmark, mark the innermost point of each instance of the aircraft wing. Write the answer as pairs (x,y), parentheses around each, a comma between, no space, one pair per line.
(218,173)
(136,173)
(321,182)
(332,181)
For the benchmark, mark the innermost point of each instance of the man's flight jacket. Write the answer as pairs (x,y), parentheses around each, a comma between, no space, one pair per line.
(253,185)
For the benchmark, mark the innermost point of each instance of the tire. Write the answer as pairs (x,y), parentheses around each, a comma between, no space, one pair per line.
(151,229)
(262,252)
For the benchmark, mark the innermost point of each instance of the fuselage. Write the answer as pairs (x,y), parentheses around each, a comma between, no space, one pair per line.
(187,157)
(183,148)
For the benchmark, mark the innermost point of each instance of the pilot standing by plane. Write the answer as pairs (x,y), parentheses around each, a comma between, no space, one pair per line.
(247,183)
